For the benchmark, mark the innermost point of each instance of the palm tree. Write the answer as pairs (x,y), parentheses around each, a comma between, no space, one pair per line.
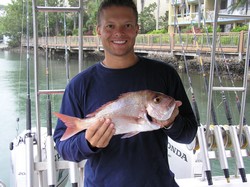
(142,5)
(239,4)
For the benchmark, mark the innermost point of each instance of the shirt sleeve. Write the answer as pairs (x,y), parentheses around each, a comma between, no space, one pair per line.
(75,148)
(185,126)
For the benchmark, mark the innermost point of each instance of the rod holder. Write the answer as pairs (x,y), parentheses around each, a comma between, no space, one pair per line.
(204,154)
(237,152)
(246,130)
(73,170)
(29,160)
(50,161)
(221,151)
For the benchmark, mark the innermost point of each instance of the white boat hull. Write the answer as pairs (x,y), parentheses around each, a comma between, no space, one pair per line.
(19,162)
(188,169)
(218,181)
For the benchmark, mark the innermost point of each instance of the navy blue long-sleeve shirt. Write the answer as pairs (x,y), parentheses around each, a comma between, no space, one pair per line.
(137,161)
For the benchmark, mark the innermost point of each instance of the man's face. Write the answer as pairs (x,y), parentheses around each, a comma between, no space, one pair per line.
(118,30)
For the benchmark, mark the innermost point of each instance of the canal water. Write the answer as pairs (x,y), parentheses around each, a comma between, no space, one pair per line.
(13,97)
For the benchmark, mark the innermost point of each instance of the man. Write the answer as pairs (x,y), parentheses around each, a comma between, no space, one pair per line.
(140,160)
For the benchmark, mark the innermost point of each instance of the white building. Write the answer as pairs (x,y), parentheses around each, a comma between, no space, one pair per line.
(196,11)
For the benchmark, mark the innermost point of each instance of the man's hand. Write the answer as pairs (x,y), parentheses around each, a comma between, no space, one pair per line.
(99,134)
(167,123)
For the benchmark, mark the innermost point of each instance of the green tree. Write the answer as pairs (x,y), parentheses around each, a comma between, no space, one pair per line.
(239,4)
(147,19)
(14,14)
(163,21)
(91,12)
(240,28)
(14,21)
(89,16)
(55,20)
(74,3)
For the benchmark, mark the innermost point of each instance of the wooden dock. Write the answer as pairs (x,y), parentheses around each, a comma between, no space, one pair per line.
(233,43)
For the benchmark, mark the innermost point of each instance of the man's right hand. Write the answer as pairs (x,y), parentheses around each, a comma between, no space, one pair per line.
(99,134)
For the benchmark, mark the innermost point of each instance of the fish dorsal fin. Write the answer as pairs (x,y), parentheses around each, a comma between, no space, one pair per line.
(129,135)
(99,109)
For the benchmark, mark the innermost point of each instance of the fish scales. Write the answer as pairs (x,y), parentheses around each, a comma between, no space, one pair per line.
(131,114)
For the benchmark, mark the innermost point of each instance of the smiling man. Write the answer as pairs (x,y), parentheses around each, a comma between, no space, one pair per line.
(118,29)
(139,161)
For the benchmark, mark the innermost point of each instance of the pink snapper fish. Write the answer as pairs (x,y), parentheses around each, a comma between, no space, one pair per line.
(131,114)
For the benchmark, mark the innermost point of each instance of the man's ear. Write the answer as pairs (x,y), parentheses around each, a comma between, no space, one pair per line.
(137,29)
(98,30)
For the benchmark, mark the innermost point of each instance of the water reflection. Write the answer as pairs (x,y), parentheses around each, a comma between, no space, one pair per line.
(201,98)
(13,94)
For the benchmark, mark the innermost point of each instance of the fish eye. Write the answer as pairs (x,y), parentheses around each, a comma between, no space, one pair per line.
(157,100)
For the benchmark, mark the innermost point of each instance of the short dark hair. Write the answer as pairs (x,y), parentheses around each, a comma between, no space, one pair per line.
(125,3)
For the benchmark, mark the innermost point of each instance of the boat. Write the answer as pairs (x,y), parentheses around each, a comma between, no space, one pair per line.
(41,165)
(33,153)
(18,160)
(219,142)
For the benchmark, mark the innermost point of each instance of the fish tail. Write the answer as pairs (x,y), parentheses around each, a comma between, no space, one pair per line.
(74,125)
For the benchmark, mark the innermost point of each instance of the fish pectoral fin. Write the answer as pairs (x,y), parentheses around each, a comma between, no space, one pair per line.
(133,119)
(129,135)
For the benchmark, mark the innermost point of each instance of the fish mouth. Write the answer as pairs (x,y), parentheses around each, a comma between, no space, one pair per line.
(149,117)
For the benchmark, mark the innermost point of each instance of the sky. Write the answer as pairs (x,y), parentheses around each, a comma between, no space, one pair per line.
(4,2)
